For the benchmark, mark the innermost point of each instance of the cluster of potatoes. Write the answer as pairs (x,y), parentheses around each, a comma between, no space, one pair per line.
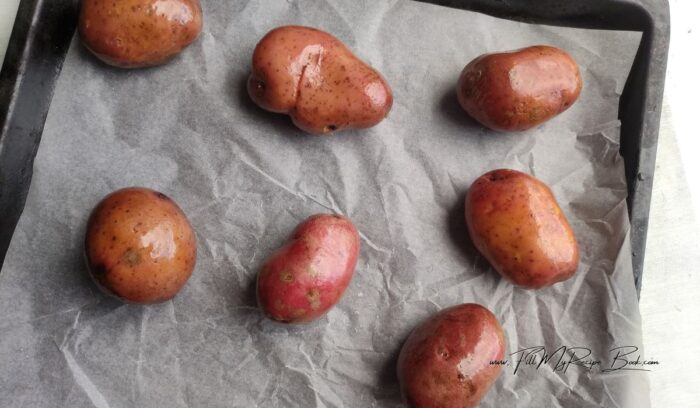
(141,248)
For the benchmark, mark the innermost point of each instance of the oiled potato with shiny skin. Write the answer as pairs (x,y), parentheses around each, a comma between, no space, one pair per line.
(316,79)
(138,33)
(515,222)
(305,278)
(139,246)
(445,362)
(517,90)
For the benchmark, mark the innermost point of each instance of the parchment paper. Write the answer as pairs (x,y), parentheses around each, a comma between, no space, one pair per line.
(246,177)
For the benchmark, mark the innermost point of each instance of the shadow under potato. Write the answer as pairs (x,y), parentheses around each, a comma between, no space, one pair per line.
(84,54)
(388,375)
(282,122)
(450,108)
(251,295)
(459,234)
(88,57)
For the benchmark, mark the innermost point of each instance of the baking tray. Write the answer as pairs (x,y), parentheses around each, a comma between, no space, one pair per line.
(44,28)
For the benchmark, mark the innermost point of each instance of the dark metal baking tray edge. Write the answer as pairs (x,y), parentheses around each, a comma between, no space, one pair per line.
(38,44)
(44,28)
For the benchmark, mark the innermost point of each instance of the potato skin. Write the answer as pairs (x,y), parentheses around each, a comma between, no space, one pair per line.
(518,90)
(316,79)
(515,222)
(139,246)
(445,361)
(138,33)
(306,277)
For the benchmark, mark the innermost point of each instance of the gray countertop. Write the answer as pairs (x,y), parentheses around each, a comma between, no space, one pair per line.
(670,303)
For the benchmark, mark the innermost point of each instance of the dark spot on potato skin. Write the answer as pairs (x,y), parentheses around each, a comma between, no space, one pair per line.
(279,305)
(98,269)
(161,196)
(467,384)
(132,257)
(314,298)
(497,176)
(287,277)
(260,86)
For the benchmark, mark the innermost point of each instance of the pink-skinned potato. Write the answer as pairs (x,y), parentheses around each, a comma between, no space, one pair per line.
(315,79)
(305,278)
(446,362)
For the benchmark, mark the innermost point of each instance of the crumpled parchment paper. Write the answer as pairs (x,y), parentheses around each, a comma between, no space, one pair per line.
(246,177)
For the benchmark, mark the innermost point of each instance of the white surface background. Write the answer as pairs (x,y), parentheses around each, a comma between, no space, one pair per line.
(670,303)
(8,10)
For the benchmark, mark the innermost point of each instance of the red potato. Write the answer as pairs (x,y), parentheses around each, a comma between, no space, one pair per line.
(518,90)
(139,246)
(138,33)
(315,79)
(515,222)
(306,277)
(445,363)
